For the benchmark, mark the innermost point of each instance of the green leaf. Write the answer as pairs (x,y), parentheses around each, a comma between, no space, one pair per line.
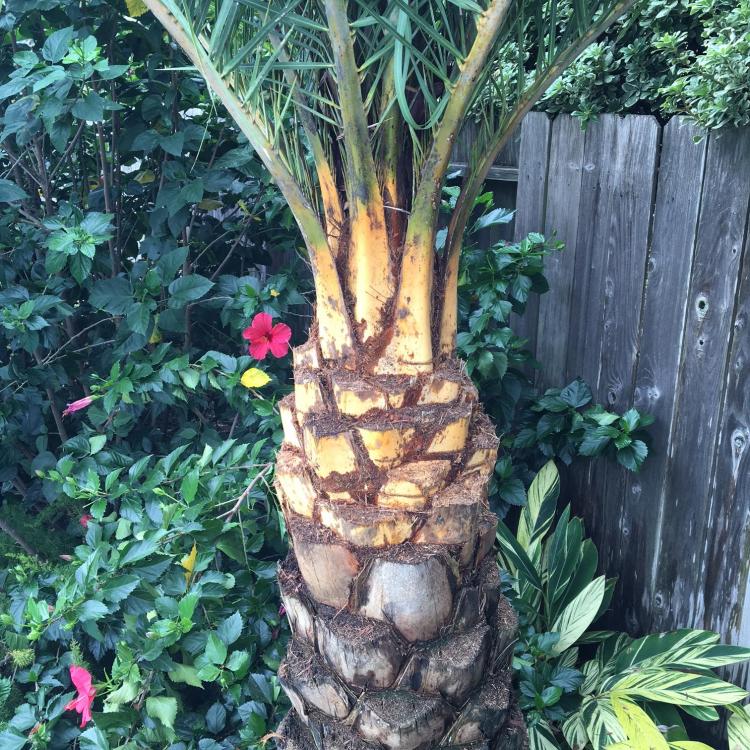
(516,559)
(539,512)
(575,619)
(119,588)
(92,610)
(680,688)
(162,708)
(10,739)
(96,443)
(187,674)
(541,737)
(216,650)
(10,192)
(91,739)
(91,108)
(187,289)
(576,394)
(173,144)
(57,44)
(229,630)
(189,485)
(113,295)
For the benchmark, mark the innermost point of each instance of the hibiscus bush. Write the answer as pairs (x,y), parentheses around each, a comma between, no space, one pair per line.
(163,625)
(139,236)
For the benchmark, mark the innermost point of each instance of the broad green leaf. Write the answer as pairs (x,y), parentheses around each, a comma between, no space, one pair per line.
(574,731)
(119,588)
(187,674)
(189,485)
(516,559)
(575,619)
(91,739)
(92,610)
(96,443)
(10,739)
(57,44)
(163,708)
(680,688)
(10,192)
(188,289)
(216,650)
(229,630)
(541,737)
(602,726)
(539,512)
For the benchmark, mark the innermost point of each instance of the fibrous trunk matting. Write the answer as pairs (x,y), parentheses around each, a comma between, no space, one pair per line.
(401,637)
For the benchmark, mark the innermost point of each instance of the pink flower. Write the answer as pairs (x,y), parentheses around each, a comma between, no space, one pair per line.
(81,678)
(84,520)
(82,403)
(265,337)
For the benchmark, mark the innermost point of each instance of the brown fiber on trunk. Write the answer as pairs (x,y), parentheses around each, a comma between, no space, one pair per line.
(401,637)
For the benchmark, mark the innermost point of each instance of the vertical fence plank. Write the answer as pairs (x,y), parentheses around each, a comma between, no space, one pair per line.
(662,327)
(726,583)
(530,201)
(617,188)
(561,218)
(681,557)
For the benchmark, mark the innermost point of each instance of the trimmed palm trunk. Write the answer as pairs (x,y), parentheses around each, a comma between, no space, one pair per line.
(401,637)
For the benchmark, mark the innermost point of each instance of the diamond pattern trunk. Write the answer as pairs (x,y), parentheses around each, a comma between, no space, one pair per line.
(401,637)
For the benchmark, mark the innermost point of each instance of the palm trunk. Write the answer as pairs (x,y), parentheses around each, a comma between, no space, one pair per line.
(401,637)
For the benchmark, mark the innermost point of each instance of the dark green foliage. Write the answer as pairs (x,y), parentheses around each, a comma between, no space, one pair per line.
(171,606)
(665,57)
(133,222)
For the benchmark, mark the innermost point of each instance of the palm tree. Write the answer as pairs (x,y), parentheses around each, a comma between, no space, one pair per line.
(401,636)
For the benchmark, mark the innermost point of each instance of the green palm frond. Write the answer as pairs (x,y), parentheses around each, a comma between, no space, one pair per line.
(373,93)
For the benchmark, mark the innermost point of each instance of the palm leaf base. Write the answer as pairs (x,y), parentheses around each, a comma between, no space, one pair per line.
(401,636)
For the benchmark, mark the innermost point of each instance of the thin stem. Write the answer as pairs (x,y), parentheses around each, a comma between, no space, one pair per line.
(413,340)
(371,277)
(7,529)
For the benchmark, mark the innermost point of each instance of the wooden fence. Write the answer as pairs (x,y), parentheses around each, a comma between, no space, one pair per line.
(650,304)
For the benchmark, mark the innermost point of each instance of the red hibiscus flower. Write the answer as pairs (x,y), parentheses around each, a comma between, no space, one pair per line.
(86,692)
(264,337)
(84,520)
(82,403)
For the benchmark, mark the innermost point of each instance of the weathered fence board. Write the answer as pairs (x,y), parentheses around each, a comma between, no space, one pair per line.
(530,199)
(650,303)
(561,218)
(662,321)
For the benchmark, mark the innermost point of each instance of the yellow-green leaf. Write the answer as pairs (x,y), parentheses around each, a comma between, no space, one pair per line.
(188,562)
(642,733)
(136,8)
(254,378)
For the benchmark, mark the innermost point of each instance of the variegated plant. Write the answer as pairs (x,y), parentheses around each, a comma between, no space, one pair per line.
(629,695)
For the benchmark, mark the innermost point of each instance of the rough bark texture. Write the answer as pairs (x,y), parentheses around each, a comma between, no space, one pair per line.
(401,637)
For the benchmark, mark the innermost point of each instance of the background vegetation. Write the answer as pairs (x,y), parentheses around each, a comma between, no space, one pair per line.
(138,238)
(665,57)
